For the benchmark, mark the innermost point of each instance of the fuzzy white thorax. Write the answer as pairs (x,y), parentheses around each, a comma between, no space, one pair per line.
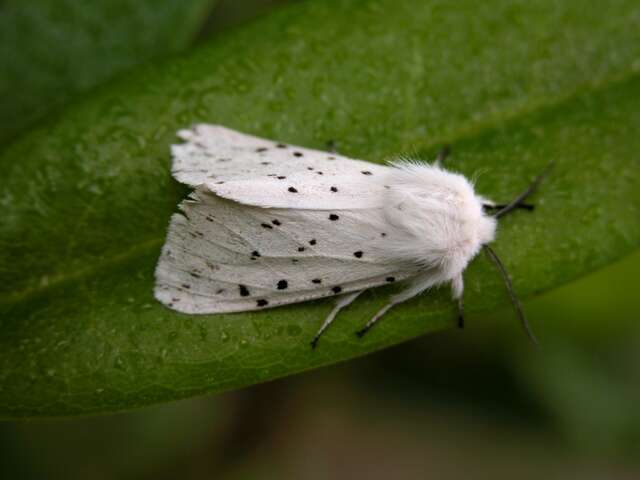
(438,218)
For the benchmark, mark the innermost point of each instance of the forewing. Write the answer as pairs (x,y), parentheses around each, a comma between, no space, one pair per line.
(305,190)
(212,153)
(224,256)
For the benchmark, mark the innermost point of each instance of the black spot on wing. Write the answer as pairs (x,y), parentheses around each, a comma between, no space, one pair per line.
(292,190)
(390,279)
(358,254)
(282,284)
(336,289)
(262,303)
(334,189)
(244,291)
(333,217)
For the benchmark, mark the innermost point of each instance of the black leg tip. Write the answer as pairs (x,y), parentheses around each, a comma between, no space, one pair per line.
(313,343)
(460,321)
(360,333)
(444,152)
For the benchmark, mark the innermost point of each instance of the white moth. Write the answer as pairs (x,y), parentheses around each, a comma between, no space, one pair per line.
(270,224)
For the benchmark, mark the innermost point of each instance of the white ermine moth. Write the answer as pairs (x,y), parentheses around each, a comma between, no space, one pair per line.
(270,224)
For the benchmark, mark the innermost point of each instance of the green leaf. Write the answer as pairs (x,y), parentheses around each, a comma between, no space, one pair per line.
(509,85)
(51,50)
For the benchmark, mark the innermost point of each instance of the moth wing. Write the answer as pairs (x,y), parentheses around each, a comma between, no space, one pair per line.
(306,190)
(224,256)
(213,153)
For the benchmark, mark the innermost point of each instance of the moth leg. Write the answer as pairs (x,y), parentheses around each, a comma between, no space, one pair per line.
(416,288)
(443,154)
(460,313)
(341,302)
(457,288)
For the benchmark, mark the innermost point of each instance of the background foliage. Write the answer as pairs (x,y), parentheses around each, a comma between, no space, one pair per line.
(53,50)
(75,337)
(88,195)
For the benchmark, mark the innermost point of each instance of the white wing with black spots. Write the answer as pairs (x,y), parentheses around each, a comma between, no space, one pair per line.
(271,224)
(212,154)
(225,256)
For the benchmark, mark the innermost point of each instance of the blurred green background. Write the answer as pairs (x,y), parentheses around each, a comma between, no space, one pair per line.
(478,403)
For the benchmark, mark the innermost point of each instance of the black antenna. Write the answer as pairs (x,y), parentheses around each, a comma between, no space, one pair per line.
(516,202)
(512,294)
(500,206)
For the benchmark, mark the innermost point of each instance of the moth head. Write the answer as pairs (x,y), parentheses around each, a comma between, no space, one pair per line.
(488,224)
(487,228)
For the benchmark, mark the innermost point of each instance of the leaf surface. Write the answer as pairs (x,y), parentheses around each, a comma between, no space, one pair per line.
(510,85)
(53,50)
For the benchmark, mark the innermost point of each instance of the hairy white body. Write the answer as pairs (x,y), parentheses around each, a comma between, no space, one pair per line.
(271,224)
